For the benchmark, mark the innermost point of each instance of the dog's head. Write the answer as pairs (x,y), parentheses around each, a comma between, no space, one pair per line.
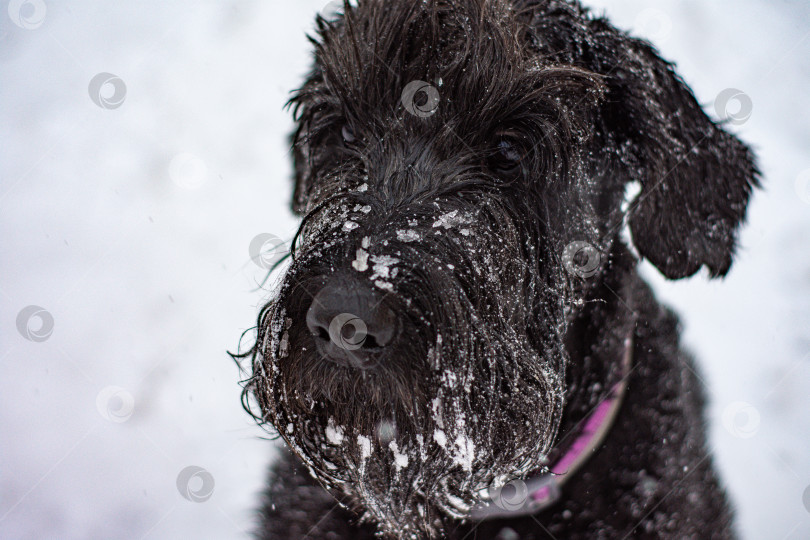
(461,170)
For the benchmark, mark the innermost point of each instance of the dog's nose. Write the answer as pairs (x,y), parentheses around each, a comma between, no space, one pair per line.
(351,323)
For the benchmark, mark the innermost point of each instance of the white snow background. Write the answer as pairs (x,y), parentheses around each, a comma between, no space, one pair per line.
(131,227)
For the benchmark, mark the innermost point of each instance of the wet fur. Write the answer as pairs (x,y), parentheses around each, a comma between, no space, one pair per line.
(502,348)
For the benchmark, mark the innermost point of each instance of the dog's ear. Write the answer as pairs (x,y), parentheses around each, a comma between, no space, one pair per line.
(303,104)
(696,178)
(300,175)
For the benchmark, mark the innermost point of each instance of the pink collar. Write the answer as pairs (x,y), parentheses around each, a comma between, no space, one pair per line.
(538,493)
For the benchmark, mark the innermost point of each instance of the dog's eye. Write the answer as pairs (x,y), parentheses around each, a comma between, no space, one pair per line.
(508,151)
(348,134)
(506,159)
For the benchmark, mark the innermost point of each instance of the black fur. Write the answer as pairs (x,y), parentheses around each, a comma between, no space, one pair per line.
(461,222)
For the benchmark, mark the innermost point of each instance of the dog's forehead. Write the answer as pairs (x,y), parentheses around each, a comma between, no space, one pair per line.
(430,88)
(383,54)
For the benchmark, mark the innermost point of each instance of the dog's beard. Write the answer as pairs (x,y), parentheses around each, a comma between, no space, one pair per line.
(473,407)
(472,400)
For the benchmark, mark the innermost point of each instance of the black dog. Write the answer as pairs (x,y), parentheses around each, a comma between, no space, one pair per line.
(462,347)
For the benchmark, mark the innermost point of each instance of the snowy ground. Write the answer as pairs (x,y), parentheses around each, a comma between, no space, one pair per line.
(131,227)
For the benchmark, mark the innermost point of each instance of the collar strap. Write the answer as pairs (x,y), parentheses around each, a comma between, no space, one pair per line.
(538,493)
